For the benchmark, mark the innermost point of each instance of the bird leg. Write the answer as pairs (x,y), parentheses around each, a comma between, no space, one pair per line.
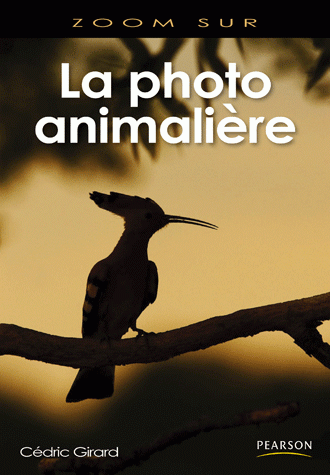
(139,331)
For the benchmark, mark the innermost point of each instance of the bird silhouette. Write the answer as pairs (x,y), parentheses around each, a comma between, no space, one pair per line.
(122,285)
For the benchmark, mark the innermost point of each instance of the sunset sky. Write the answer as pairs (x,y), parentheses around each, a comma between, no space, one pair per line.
(271,203)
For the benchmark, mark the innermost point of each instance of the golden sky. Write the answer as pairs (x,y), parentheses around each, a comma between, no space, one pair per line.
(271,203)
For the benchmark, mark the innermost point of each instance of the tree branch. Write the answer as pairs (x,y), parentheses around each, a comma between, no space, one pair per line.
(297,318)
(107,466)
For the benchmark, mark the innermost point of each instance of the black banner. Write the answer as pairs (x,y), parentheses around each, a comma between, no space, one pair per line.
(133,22)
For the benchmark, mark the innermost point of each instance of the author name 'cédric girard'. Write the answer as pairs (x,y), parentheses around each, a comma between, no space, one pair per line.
(77,452)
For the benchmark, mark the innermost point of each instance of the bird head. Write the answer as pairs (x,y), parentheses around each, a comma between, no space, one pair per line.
(141,215)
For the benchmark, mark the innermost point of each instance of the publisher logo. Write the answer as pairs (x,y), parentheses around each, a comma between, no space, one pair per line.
(302,448)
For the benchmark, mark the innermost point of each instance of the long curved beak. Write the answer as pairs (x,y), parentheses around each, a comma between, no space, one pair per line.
(182,219)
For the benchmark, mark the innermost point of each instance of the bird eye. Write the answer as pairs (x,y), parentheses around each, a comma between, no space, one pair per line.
(148,215)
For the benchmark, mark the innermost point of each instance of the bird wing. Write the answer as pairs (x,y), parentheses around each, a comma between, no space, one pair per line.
(91,315)
(152,284)
(95,290)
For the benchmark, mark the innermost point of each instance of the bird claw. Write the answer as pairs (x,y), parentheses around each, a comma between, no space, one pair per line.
(143,333)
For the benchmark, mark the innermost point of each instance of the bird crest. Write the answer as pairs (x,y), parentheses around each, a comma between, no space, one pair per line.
(141,213)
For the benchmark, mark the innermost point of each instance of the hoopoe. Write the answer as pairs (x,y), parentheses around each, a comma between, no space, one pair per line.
(122,285)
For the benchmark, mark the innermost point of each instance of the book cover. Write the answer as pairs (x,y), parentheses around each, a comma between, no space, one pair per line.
(165,120)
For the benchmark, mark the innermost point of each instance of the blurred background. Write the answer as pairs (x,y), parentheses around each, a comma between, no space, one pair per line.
(271,203)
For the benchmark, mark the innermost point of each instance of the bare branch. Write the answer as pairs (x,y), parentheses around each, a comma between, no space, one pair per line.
(298,318)
(108,466)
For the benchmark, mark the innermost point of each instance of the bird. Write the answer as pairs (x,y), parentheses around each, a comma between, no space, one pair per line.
(122,285)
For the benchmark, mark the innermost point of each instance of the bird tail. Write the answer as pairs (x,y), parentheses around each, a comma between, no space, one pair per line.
(92,383)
